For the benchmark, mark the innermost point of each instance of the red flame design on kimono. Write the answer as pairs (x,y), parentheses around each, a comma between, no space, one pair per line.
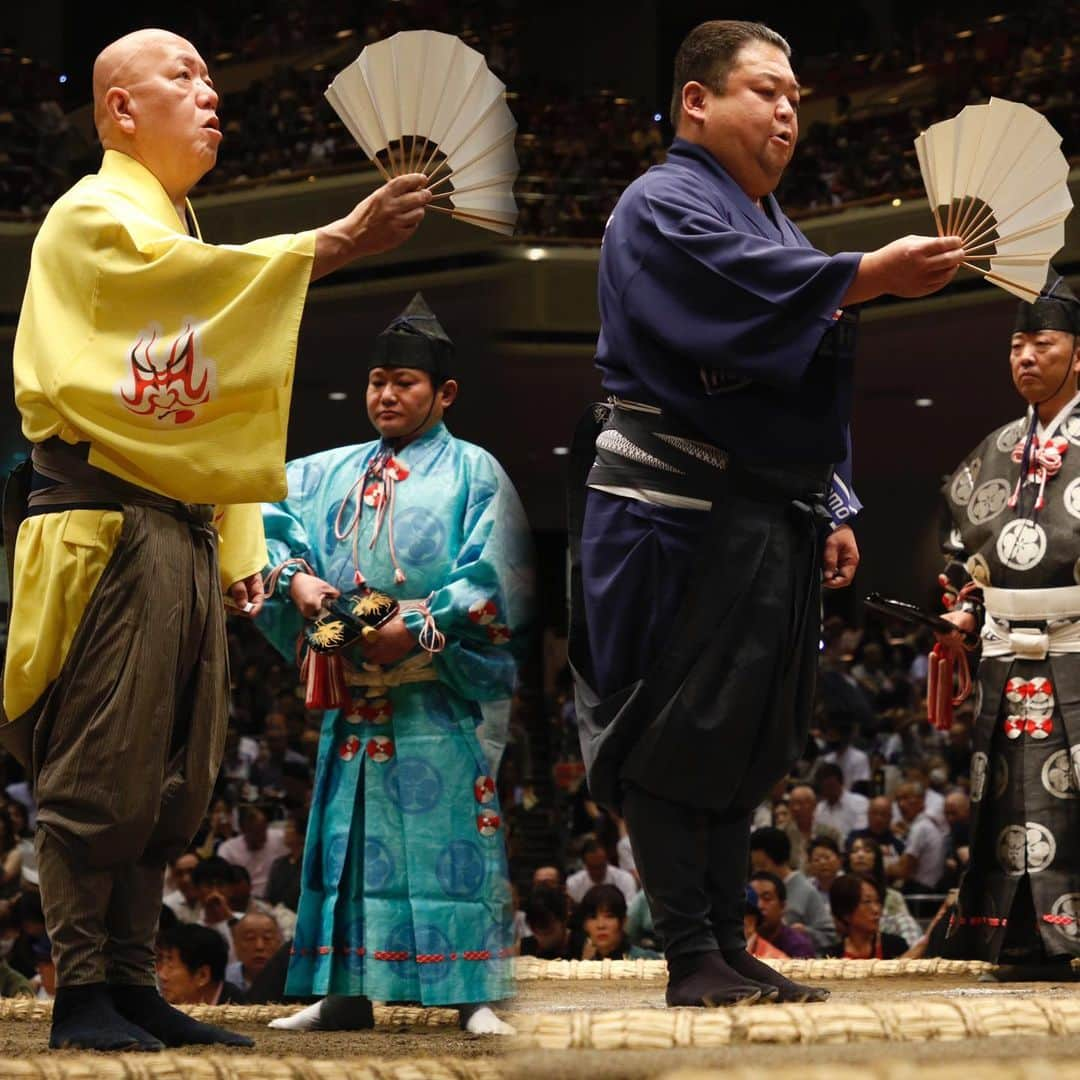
(167,387)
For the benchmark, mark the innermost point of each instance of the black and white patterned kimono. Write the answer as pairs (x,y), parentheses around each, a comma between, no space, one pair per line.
(1021,544)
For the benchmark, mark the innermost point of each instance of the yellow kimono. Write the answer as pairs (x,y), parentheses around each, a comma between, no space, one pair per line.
(173,359)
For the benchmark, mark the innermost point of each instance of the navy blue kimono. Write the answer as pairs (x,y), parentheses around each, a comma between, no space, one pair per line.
(721,314)
(714,308)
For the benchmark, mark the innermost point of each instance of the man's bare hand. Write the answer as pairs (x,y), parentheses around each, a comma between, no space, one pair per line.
(393,643)
(390,214)
(964,622)
(840,558)
(911,266)
(246,597)
(382,221)
(308,593)
(919,265)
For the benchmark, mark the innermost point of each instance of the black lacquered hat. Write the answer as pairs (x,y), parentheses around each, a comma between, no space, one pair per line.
(415,339)
(1057,308)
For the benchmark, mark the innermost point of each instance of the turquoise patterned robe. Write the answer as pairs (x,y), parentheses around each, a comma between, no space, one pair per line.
(405,895)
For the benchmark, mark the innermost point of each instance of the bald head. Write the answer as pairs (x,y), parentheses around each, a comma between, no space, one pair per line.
(879,814)
(256,937)
(154,101)
(957,808)
(911,799)
(122,64)
(802,802)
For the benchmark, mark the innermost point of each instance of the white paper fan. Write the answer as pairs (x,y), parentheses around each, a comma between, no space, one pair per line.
(422,101)
(996,177)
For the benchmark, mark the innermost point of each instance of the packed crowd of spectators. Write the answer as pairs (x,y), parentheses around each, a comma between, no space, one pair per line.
(854,854)
(577,153)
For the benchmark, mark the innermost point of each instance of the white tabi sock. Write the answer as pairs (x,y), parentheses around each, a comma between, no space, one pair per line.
(305,1020)
(480,1020)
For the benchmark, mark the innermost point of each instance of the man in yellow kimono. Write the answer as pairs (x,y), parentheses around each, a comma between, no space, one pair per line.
(153,373)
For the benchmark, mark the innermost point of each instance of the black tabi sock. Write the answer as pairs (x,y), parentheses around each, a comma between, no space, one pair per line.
(144,1006)
(703,979)
(751,967)
(84,1018)
(681,967)
(339,1012)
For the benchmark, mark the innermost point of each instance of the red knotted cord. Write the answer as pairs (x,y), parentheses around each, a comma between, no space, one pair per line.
(948,668)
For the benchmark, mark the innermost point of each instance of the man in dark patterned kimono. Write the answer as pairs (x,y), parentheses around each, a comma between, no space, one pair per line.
(1013,537)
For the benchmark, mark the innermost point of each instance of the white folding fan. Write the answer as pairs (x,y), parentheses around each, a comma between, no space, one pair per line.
(422,101)
(996,177)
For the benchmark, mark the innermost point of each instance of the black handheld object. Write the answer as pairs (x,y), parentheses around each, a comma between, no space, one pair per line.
(347,618)
(909,613)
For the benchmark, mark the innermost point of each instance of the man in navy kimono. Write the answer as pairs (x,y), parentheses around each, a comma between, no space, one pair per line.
(719,492)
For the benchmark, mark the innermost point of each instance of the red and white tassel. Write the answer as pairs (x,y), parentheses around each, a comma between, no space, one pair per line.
(948,666)
(324,681)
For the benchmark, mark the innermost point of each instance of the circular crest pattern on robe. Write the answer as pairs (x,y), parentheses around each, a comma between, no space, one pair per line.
(1025,770)
(404,879)
(1008,543)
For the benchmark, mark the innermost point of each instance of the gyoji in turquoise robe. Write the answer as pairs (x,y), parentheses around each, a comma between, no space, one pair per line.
(405,895)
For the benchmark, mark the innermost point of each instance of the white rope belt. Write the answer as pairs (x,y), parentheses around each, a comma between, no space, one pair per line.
(414,669)
(1057,609)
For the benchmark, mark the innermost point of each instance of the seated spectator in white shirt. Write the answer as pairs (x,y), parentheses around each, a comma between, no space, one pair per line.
(184,898)
(598,871)
(256,937)
(805,909)
(255,849)
(934,807)
(879,827)
(840,810)
(853,761)
(802,803)
(921,866)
